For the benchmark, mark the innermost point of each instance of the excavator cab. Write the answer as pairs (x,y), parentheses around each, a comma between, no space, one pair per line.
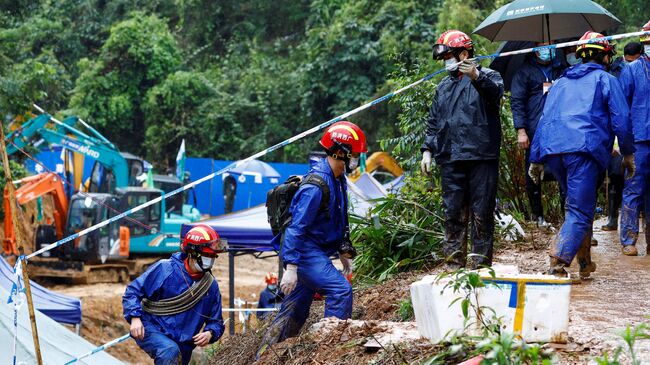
(86,210)
(103,179)
(111,241)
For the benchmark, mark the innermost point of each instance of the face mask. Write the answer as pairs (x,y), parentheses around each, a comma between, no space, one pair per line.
(203,263)
(546,54)
(451,65)
(571,59)
(353,163)
(646,50)
(272,287)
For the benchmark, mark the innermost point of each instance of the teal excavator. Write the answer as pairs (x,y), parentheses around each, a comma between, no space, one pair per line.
(124,248)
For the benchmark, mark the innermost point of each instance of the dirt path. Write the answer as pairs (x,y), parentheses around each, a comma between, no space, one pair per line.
(617,296)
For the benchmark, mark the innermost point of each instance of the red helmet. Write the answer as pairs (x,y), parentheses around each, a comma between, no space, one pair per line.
(645,38)
(271,279)
(202,239)
(451,40)
(590,49)
(344,135)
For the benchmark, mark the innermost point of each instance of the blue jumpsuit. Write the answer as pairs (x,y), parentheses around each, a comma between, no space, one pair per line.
(312,237)
(584,110)
(167,339)
(635,80)
(269,299)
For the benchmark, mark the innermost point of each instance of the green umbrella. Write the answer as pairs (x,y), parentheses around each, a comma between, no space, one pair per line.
(541,20)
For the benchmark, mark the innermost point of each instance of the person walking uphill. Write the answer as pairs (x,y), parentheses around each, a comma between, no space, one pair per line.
(318,230)
(528,93)
(635,80)
(584,110)
(464,136)
(176,304)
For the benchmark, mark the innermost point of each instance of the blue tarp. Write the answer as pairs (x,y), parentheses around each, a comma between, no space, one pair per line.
(250,193)
(58,344)
(59,307)
(244,230)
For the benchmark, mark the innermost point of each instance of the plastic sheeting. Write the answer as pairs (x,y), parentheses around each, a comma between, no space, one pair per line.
(59,307)
(58,344)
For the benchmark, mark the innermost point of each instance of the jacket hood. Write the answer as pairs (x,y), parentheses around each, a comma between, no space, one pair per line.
(323,166)
(178,257)
(582,69)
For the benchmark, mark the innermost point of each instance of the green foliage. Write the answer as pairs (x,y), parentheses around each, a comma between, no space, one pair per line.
(17,172)
(404,233)
(405,310)
(505,349)
(630,336)
(139,53)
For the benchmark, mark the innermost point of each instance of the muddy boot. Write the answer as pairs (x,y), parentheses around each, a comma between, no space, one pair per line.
(558,268)
(583,256)
(630,250)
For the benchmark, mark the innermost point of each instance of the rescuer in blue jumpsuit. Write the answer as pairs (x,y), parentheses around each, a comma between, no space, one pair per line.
(584,110)
(314,235)
(170,339)
(635,80)
(270,297)
(528,95)
(631,53)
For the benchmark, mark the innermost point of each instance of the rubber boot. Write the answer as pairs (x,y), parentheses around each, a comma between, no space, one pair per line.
(584,259)
(630,250)
(558,268)
(612,219)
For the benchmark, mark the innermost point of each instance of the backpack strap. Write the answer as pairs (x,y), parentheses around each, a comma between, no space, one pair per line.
(315,179)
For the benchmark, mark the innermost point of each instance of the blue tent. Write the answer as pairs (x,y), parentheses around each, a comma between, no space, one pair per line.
(59,307)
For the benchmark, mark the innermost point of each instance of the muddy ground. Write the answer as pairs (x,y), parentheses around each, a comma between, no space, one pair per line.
(617,296)
(102,303)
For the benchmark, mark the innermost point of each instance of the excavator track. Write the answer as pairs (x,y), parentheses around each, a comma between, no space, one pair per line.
(119,271)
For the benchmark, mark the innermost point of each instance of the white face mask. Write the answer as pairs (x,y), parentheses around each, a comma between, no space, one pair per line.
(353,163)
(451,65)
(204,263)
(571,59)
(646,49)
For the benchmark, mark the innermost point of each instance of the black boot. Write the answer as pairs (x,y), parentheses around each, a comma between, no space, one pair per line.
(612,208)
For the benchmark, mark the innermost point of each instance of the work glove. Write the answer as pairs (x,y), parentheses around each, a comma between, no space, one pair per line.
(289,279)
(425,165)
(629,165)
(536,172)
(347,265)
(469,68)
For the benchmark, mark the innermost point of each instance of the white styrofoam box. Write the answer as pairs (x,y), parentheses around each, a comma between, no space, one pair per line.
(533,306)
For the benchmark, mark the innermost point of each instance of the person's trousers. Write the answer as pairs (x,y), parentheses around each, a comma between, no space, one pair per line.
(579,176)
(316,274)
(636,195)
(163,350)
(469,191)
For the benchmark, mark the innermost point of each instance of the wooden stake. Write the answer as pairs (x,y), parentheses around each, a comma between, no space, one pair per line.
(19,241)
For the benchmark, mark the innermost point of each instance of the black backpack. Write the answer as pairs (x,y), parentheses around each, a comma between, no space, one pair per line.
(278,200)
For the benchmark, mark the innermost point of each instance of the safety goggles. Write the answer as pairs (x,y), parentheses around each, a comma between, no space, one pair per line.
(439,50)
